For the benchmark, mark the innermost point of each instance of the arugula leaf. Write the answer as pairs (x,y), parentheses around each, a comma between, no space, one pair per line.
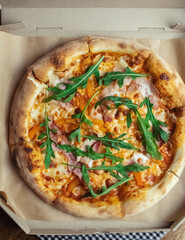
(118,101)
(120,168)
(120,76)
(48,143)
(104,190)
(157,130)
(129,120)
(90,153)
(148,138)
(71,89)
(83,119)
(116,143)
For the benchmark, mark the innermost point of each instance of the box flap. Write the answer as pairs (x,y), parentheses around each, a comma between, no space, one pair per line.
(70,18)
(20,222)
(94,3)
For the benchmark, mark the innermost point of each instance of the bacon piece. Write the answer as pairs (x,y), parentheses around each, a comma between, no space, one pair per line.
(153,99)
(63,140)
(105,115)
(78,172)
(66,106)
(96,146)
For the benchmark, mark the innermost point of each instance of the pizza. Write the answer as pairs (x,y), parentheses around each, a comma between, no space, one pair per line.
(97,127)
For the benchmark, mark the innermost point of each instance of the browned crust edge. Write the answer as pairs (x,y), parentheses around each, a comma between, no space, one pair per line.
(153,195)
(167,80)
(89,210)
(59,59)
(23,158)
(23,100)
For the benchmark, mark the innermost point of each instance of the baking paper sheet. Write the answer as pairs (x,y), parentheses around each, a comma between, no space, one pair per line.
(18,53)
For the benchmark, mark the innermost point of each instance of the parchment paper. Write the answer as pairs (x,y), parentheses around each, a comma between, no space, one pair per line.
(18,53)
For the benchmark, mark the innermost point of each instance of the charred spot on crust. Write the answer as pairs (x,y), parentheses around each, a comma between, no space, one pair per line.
(164,76)
(21,139)
(122,45)
(34,75)
(30,165)
(28,149)
(178,111)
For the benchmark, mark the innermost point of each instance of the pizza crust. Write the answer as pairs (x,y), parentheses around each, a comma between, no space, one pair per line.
(116,45)
(24,98)
(167,80)
(152,195)
(59,59)
(24,157)
(89,210)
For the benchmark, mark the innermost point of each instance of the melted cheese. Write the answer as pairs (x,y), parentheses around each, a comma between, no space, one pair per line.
(58,177)
(141,157)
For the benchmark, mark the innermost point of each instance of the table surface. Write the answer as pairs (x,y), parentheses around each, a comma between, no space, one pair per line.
(10,231)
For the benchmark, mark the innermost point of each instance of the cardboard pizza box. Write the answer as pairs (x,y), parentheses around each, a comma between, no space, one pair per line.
(47,24)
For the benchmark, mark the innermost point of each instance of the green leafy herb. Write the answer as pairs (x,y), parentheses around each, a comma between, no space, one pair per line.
(48,143)
(90,153)
(157,130)
(70,89)
(129,120)
(120,76)
(122,170)
(83,119)
(118,168)
(116,143)
(118,101)
(104,190)
(147,136)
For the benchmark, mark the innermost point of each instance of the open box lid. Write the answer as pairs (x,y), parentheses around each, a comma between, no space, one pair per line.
(139,19)
(75,18)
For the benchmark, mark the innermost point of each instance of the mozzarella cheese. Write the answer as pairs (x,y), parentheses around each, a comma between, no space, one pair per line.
(58,110)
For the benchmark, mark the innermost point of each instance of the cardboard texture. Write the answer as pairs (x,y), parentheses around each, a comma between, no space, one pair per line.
(74,18)
(64,21)
(31,213)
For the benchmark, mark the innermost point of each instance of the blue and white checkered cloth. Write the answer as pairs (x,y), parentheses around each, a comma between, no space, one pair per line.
(108,236)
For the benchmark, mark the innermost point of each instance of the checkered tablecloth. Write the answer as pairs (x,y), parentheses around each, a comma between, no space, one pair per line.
(108,236)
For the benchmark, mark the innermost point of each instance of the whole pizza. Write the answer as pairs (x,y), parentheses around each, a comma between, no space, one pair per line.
(97,127)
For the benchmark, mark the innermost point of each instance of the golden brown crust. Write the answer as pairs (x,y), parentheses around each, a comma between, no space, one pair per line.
(59,59)
(116,45)
(28,161)
(89,210)
(24,98)
(167,80)
(154,194)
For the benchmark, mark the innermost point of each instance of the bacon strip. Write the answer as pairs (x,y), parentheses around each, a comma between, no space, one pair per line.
(63,140)
(105,115)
